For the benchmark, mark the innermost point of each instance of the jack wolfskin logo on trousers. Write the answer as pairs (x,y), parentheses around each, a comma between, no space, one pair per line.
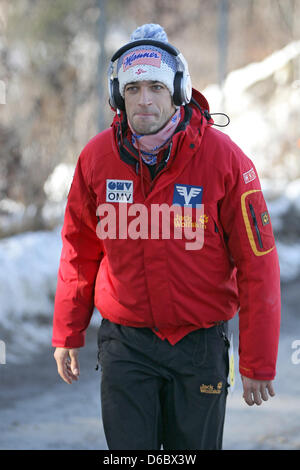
(211,389)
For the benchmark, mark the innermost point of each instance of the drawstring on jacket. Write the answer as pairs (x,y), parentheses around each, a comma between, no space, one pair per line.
(141,167)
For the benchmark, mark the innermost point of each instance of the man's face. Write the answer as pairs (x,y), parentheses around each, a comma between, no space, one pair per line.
(148,106)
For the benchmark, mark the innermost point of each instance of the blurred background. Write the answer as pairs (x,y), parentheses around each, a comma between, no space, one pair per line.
(244,56)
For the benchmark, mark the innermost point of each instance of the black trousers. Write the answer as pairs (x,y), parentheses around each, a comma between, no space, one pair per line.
(154,394)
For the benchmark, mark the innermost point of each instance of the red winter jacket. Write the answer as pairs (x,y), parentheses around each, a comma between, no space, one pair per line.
(156,282)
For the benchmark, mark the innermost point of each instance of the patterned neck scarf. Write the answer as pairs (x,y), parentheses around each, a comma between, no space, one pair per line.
(151,144)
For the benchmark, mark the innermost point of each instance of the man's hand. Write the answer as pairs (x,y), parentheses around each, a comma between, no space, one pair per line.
(67,364)
(256,390)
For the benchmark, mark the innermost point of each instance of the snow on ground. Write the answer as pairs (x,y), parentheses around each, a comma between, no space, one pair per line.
(28,276)
(27,285)
(262,101)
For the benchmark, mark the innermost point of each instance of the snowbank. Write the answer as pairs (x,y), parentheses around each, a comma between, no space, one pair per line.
(29,264)
(262,101)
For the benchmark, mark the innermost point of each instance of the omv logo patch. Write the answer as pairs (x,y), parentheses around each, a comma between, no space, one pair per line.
(119,191)
(187,195)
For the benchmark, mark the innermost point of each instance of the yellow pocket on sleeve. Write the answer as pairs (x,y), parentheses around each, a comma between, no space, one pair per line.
(257,222)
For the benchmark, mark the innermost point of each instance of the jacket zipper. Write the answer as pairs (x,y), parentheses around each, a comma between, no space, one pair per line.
(164,168)
(255,225)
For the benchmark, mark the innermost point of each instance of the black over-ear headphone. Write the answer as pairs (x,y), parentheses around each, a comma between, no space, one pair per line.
(182,80)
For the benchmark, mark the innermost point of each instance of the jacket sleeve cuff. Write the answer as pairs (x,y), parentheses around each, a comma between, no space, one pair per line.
(257,374)
(76,341)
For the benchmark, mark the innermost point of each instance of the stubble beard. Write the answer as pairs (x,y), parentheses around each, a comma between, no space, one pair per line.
(151,127)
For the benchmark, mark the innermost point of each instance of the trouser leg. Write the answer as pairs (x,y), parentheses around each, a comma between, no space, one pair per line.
(194,400)
(193,420)
(130,391)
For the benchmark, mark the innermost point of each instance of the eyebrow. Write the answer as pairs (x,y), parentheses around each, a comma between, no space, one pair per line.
(152,82)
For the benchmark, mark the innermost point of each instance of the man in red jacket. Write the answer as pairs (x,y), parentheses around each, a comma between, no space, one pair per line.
(166,301)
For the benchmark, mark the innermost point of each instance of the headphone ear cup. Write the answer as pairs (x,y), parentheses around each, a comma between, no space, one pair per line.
(116,99)
(177,96)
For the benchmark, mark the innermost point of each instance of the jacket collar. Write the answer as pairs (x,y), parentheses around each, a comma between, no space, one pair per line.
(186,139)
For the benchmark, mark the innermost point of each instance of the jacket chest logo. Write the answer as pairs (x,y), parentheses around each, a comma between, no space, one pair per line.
(187,195)
(119,191)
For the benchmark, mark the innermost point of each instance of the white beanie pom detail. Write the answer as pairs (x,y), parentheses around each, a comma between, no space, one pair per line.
(149,31)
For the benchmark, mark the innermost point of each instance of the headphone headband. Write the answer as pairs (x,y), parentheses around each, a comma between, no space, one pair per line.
(145,42)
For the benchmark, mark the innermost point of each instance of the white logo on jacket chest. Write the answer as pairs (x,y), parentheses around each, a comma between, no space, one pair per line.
(119,191)
(183,193)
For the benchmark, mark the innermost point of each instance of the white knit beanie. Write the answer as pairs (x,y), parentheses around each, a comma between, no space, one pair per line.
(147,62)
